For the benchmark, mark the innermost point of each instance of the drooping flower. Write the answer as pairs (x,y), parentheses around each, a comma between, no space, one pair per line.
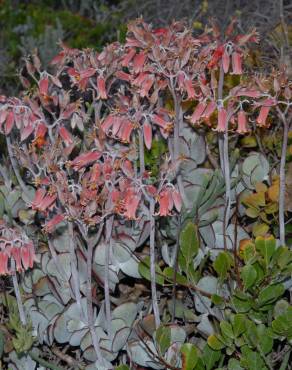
(168,198)
(217,55)
(42,200)
(148,83)
(177,200)
(123,76)
(188,84)
(41,131)
(44,86)
(262,117)
(222,120)
(158,120)
(236,63)
(198,112)
(102,94)
(138,62)
(17,247)
(85,159)
(4,263)
(128,57)
(9,122)
(125,131)
(50,225)
(147,131)
(131,202)
(211,106)
(242,123)
(66,136)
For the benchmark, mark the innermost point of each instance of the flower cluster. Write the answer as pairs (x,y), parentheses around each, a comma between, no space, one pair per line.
(78,129)
(17,247)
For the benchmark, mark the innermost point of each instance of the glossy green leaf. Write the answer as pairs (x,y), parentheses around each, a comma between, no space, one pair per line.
(222,264)
(211,357)
(226,329)
(144,270)
(189,356)
(234,364)
(270,293)
(252,360)
(189,243)
(215,343)
(282,325)
(170,273)
(239,324)
(248,275)
(266,246)
(163,338)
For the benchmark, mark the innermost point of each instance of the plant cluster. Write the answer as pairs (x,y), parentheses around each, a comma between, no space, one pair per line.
(127,196)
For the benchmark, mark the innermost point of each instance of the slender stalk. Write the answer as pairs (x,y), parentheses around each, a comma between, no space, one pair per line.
(220,138)
(224,158)
(74,267)
(15,168)
(152,264)
(282,189)
(178,122)
(109,227)
(17,295)
(176,249)
(236,267)
(94,338)
(141,152)
(176,154)
(227,180)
